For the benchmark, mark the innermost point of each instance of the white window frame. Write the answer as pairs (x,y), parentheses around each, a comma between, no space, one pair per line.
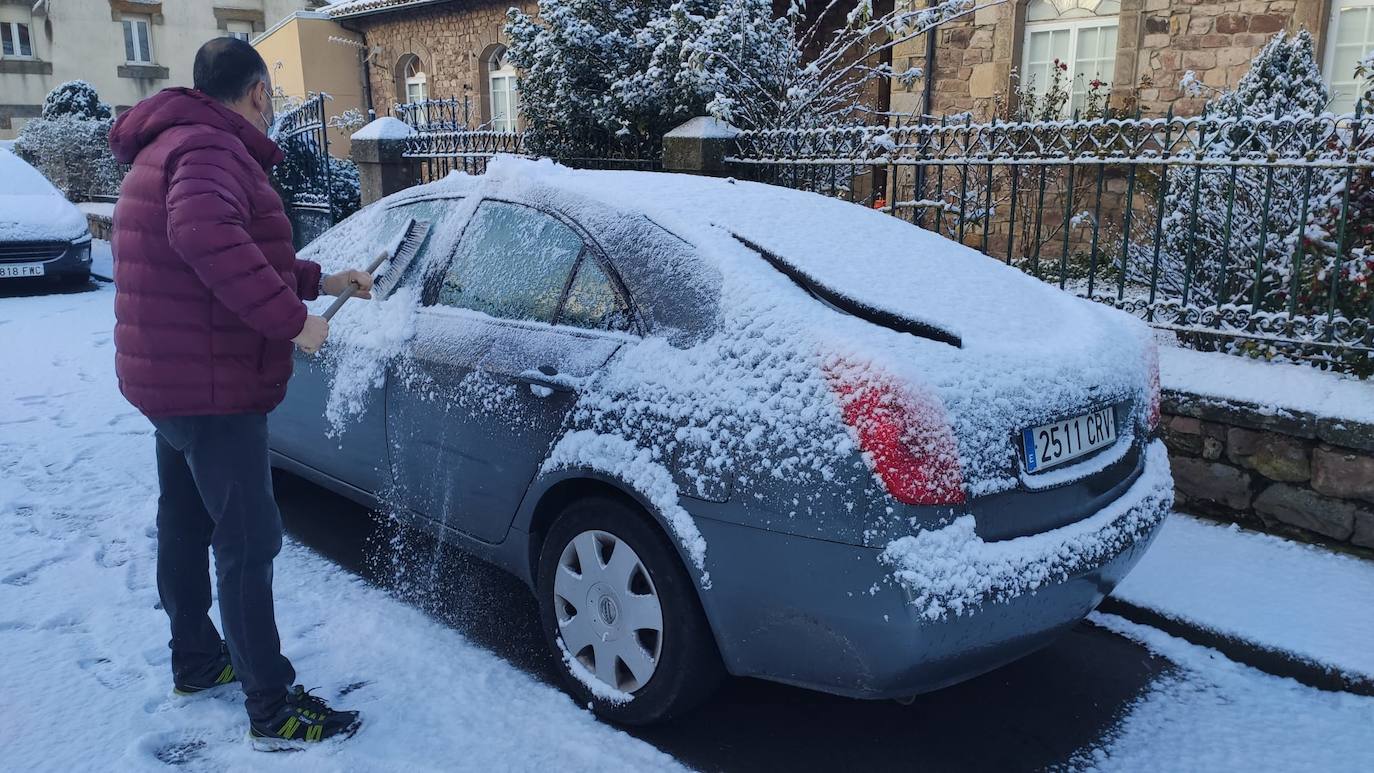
(1334,79)
(504,75)
(1074,26)
(127,26)
(243,30)
(418,78)
(10,30)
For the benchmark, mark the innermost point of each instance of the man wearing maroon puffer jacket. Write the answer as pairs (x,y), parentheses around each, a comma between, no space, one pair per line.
(209,302)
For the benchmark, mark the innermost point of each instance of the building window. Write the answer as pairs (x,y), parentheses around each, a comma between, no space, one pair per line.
(417,83)
(502,85)
(137,42)
(1351,36)
(15,41)
(1079,35)
(243,30)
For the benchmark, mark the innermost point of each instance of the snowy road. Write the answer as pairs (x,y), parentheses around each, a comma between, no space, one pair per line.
(443,656)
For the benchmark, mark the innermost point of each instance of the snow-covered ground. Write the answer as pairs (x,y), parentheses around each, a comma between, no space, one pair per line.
(85,682)
(102,260)
(1214,714)
(1266,590)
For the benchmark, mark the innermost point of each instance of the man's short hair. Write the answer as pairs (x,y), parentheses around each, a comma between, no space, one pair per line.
(227,68)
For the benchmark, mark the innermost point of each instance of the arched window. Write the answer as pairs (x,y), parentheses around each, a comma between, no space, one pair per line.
(416,82)
(503,91)
(1080,35)
(1351,38)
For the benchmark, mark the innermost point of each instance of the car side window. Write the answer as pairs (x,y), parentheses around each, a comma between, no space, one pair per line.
(512,262)
(592,300)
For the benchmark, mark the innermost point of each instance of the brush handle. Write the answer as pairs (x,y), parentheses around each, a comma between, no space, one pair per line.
(352,288)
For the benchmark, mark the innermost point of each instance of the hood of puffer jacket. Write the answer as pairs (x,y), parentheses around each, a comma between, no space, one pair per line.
(139,126)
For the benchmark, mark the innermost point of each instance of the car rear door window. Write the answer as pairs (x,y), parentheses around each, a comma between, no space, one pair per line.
(592,300)
(512,262)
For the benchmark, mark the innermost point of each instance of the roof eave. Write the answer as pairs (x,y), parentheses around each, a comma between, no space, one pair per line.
(405,6)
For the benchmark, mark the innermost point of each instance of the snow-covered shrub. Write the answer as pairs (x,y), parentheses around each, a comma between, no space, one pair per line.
(70,142)
(1215,227)
(300,177)
(598,75)
(75,98)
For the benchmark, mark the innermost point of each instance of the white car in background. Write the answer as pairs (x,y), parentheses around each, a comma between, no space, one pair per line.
(41,233)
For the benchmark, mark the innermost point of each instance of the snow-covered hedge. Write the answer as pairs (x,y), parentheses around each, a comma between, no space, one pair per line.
(70,143)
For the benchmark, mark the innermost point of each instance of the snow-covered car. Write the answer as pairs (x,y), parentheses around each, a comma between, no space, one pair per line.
(41,233)
(724,427)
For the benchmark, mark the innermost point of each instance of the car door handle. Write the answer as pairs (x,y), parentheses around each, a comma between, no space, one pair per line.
(546,378)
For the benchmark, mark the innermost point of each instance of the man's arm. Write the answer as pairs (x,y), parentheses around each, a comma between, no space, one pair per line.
(307,279)
(207,214)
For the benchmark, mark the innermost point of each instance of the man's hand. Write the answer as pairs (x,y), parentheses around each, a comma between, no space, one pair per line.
(335,284)
(313,335)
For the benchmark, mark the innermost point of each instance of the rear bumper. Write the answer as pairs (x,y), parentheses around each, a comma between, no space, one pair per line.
(927,612)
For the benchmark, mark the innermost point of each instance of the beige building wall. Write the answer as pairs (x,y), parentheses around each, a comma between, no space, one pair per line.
(84,40)
(306,56)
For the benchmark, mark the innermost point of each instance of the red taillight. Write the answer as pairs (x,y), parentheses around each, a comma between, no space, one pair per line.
(1152,371)
(907,438)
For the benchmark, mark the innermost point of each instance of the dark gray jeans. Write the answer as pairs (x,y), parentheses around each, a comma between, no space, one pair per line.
(216,494)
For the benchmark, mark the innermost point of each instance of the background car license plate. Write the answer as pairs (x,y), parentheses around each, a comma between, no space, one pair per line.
(16,270)
(1050,445)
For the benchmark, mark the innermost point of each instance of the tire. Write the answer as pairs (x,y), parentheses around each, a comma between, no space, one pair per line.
(688,666)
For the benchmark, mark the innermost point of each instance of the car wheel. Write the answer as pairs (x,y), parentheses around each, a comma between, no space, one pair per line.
(622,616)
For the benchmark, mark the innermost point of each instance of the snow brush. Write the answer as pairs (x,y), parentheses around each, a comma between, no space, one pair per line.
(400,256)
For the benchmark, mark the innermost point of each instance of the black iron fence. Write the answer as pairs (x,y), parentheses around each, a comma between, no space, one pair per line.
(1240,233)
(445,141)
(305,176)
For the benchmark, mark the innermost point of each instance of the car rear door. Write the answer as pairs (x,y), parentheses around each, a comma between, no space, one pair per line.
(357,455)
(525,310)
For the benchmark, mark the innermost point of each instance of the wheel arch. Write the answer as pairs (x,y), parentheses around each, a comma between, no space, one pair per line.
(551,493)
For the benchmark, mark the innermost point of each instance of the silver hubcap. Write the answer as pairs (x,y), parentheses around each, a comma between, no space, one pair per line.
(609,614)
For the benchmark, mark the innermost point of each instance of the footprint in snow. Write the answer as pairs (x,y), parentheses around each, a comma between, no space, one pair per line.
(352,687)
(115,554)
(27,576)
(14,626)
(108,674)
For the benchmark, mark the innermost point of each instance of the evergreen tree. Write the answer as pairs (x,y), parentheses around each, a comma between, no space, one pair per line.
(618,74)
(1221,222)
(78,99)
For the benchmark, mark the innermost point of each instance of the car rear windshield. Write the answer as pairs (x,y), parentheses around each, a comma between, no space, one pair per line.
(849,305)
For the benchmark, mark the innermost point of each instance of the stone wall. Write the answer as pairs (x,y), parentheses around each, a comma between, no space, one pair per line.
(1292,474)
(452,44)
(1157,39)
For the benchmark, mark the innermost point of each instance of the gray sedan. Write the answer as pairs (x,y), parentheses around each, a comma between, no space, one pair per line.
(727,428)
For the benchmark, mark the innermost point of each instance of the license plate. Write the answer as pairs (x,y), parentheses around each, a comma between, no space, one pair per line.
(16,270)
(1050,445)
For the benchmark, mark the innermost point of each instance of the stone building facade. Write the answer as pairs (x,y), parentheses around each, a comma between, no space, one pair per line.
(436,50)
(1156,43)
